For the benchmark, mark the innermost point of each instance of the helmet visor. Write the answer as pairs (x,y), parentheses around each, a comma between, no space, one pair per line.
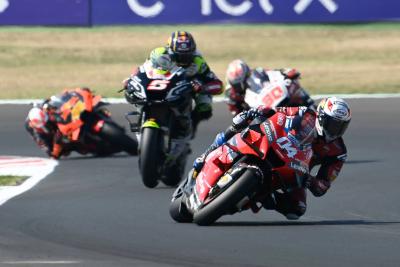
(334,128)
(183,59)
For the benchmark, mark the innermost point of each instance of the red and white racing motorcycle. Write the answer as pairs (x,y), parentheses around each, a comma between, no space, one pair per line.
(273,89)
(238,175)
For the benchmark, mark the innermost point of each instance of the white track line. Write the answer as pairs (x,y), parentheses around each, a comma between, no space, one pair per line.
(39,262)
(36,168)
(216,99)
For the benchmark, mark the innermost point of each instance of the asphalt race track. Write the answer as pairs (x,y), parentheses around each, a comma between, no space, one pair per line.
(96,212)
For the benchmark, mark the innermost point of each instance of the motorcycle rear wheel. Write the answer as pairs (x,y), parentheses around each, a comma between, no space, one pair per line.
(116,136)
(149,157)
(226,201)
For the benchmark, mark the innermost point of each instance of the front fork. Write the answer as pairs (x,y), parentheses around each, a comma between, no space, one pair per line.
(137,121)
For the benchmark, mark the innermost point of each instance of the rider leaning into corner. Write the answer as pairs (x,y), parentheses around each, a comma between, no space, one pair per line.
(182,49)
(41,124)
(321,129)
(239,78)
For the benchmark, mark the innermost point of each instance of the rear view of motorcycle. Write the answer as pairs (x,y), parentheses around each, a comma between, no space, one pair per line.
(162,123)
(241,174)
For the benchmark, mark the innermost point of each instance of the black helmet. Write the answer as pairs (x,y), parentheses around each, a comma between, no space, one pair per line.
(181,47)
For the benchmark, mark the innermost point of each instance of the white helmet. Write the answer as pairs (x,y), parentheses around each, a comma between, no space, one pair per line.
(237,73)
(333,118)
(37,119)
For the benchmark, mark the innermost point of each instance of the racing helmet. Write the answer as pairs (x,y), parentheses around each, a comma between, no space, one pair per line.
(333,118)
(237,73)
(160,61)
(37,119)
(181,47)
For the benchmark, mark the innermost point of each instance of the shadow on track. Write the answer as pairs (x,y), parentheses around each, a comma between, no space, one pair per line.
(86,157)
(362,161)
(307,223)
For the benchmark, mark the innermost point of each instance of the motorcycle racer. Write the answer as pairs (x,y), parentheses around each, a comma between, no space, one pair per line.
(41,125)
(160,66)
(182,49)
(45,123)
(322,129)
(239,78)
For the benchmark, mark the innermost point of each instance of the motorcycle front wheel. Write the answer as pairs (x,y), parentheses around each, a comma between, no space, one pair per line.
(150,156)
(244,186)
(179,212)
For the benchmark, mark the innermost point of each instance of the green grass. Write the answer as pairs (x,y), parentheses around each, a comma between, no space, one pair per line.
(8,180)
(39,61)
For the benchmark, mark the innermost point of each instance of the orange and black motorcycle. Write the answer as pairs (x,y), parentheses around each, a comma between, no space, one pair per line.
(86,125)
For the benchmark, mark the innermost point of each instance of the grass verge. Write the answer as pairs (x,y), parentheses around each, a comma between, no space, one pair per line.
(9,180)
(36,62)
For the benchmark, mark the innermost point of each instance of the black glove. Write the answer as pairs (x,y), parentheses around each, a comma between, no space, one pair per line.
(253,113)
(242,120)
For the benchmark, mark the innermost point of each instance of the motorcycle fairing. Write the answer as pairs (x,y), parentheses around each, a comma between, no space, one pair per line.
(70,113)
(148,69)
(217,163)
(258,140)
(270,91)
(74,104)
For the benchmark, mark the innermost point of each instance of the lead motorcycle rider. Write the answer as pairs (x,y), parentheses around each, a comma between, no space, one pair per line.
(332,118)
(182,49)
(239,78)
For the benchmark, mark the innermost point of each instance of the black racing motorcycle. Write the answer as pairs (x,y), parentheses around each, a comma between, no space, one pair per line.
(162,123)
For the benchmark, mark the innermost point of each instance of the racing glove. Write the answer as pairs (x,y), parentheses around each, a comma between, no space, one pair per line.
(197,86)
(243,119)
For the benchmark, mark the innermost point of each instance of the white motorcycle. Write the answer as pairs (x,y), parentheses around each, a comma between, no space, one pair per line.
(273,89)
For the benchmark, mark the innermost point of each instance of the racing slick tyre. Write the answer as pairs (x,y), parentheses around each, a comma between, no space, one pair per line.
(116,136)
(227,200)
(179,212)
(149,156)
